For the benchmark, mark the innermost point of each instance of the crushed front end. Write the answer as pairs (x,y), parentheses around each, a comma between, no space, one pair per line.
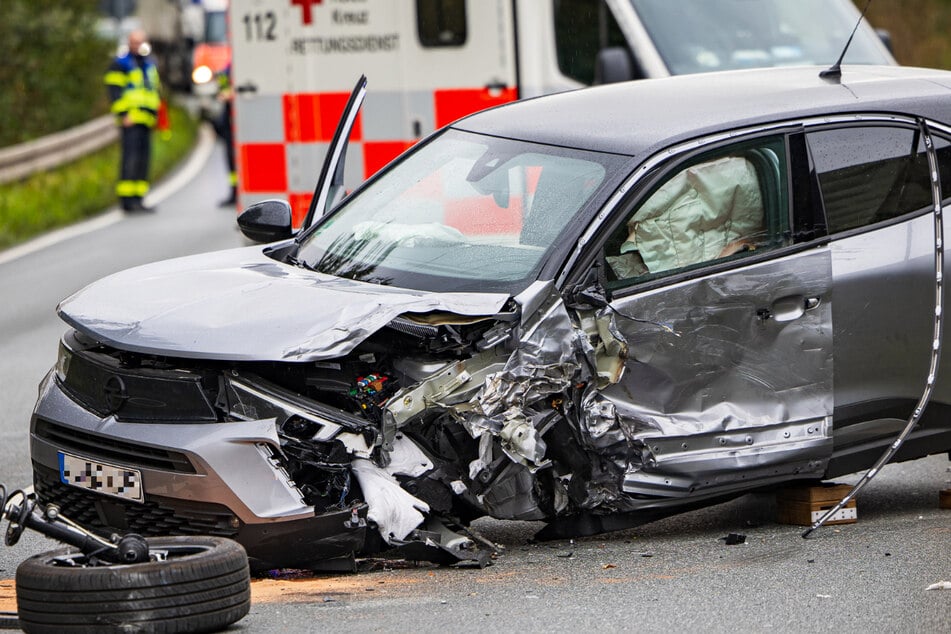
(394,446)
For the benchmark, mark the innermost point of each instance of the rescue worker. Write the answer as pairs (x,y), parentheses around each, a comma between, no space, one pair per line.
(133,84)
(223,127)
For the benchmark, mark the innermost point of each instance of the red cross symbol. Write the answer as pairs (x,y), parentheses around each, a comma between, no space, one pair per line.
(306,6)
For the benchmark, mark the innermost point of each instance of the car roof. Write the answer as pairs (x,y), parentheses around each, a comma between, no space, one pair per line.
(634,117)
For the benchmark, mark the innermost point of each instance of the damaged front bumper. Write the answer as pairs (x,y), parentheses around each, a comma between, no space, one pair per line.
(234,478)
(196,479)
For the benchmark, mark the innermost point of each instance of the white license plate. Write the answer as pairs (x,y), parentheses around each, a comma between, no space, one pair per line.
(120,482)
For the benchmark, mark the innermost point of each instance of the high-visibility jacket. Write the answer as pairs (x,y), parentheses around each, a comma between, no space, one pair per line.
(134,89)
(224,82)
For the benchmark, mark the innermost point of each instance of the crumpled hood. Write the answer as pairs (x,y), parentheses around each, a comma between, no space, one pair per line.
(240,305)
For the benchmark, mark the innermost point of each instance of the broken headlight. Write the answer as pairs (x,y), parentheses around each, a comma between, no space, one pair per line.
(63,358)
(253,398)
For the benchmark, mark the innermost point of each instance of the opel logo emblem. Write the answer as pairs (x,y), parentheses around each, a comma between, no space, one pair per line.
(115,394)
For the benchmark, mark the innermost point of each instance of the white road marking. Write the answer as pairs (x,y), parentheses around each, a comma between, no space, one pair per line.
(196,161)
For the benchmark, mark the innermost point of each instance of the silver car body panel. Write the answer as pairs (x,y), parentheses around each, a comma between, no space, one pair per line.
(225,305)
(884,293)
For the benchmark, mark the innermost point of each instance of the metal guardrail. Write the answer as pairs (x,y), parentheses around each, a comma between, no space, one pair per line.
(25,159)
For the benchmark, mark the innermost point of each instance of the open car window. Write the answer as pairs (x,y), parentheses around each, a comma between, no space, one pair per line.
(722,205)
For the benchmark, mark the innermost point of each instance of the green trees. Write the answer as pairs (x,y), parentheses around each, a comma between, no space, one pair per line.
(919,29)
(52,67)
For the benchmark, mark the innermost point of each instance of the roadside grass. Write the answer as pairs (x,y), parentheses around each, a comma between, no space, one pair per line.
(85,187)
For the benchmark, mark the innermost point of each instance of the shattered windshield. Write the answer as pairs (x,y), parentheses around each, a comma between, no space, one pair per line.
(695,36)
(465,212)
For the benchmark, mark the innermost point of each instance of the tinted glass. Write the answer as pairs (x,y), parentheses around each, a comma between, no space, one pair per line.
(870,174)
(462,212)
(582,28)
(943,150)
(441,22)
(695,36)
(721,206)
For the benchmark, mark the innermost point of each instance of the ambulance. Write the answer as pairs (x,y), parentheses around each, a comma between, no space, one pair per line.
(430,62)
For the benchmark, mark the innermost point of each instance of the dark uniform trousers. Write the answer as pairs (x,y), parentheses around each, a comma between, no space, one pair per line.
(136,150)
(133,84)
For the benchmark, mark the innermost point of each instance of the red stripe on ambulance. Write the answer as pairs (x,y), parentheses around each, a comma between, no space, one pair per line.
(263,167)
(300,205)
(455,103)
(310,118)
(377,154)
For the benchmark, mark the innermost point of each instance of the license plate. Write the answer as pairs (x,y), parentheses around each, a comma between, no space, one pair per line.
(120,482)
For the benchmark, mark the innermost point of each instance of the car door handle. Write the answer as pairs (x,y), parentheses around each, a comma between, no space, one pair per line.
(789,308)
(249,87)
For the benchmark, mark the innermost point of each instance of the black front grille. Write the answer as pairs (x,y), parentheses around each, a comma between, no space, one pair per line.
(421,331)
(109,449)
(157,516)
(101,384)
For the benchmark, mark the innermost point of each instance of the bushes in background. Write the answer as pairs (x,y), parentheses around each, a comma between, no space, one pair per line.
(919,29)
(52,67)
(84,187)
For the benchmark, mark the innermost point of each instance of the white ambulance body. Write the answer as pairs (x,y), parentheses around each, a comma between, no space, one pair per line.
(430,62)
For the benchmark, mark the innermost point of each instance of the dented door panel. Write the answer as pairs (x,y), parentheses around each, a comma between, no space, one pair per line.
(716,390)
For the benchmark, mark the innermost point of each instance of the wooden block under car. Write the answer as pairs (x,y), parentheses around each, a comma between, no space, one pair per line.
(804,505)
(944,499)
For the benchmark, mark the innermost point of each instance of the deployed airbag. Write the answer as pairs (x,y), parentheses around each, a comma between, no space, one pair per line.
(696,216)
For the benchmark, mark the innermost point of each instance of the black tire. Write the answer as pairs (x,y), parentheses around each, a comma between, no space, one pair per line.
(204,585)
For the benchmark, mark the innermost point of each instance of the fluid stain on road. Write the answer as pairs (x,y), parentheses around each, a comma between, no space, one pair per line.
(317,589)
(8,597)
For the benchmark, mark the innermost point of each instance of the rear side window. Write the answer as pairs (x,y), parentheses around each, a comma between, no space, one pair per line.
(582,28)
(441,22)
(870,174)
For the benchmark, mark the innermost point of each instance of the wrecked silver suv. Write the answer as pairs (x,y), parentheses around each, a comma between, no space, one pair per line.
(592,309)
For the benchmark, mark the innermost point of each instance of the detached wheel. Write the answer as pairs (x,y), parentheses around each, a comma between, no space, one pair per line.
(203,585)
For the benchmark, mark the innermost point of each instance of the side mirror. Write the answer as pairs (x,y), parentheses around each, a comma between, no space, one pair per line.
(267,221)
(612,65)
(886,37)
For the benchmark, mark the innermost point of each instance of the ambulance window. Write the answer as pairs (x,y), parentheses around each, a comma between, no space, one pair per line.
(582,28)
(441,22)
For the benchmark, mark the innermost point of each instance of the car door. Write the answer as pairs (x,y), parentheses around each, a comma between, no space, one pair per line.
(330,182)
(727,322)
(876,190)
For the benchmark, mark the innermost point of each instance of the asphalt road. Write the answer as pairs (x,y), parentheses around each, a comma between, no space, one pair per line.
(675,574)
(186,222)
